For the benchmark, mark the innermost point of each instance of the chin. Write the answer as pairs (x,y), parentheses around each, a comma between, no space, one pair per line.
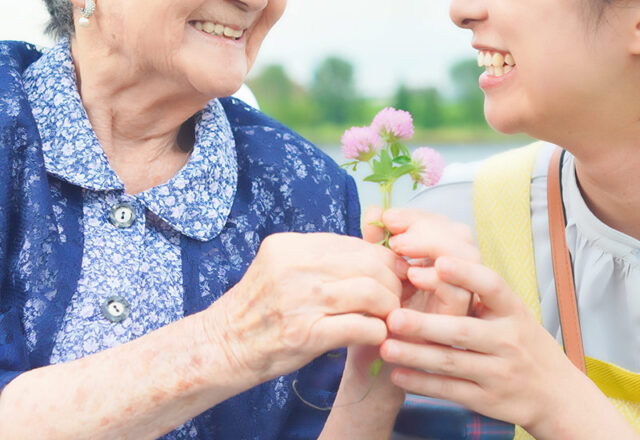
(216,80)
(506,122)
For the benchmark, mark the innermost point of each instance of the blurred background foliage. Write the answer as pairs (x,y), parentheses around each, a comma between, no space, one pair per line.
(323,109)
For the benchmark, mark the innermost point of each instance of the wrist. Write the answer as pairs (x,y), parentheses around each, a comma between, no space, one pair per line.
(575,398)
(222,348)
(357,382)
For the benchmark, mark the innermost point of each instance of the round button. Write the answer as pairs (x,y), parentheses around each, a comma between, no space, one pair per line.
(116,309)
(122,215)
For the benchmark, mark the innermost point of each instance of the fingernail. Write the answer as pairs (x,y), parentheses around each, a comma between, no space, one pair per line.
(398,377)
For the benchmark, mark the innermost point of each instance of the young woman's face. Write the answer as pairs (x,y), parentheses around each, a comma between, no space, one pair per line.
(554,64)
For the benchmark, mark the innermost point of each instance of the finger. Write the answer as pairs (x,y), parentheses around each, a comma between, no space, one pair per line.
(373,257)
(424,278)
(338,331)
(358,295)
(492,290)
(457,331)
(399,220)
(371,232)
(461,391)
(438,359)
(432,241)
(452,300)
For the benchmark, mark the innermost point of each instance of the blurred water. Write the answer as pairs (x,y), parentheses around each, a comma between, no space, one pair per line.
(403,190)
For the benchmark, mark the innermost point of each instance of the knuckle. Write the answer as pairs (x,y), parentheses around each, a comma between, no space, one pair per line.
(464,232)
(369,288)
(444,388)
(461,337)
(494,285)
(449,363)
(271,244)
(475,255)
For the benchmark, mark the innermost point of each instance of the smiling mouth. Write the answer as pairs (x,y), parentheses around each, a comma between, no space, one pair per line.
(496,63)
(218,30)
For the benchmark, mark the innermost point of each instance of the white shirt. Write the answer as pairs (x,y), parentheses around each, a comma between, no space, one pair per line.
(606,261)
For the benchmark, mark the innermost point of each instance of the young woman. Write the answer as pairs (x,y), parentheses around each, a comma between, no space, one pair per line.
(566,72)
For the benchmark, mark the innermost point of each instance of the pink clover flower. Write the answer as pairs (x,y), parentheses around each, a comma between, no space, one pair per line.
(429,164)
(361,143)
(392,122)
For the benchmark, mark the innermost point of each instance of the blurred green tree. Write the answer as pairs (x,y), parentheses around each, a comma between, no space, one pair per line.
(333,91)
(424,104)
(281,98)
(469,97)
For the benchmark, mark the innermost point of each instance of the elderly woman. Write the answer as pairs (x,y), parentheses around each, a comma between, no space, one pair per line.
(139,293)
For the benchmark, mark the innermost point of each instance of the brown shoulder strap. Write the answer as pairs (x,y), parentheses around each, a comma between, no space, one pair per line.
(562,269)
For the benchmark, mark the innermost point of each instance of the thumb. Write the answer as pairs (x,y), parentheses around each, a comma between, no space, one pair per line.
(372,232)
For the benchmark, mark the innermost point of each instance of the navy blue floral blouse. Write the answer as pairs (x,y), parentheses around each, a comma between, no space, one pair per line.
(85,266)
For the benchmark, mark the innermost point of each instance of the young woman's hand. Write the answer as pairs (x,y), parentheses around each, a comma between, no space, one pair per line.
(422,237)
(500,362)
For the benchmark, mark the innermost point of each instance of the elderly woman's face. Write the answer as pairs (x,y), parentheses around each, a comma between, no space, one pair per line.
(209,44)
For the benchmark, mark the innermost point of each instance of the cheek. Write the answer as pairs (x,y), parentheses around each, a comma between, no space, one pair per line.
(152,35)
(270,16)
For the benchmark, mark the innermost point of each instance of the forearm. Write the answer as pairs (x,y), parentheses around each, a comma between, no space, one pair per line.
(371,418)
(139,390)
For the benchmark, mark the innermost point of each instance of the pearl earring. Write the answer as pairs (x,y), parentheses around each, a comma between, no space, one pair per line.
(87,12)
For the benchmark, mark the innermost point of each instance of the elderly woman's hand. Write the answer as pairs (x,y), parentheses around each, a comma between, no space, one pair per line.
(305,295)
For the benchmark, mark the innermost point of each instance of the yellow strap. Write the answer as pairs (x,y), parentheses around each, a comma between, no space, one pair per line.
(614,381)
(502,196)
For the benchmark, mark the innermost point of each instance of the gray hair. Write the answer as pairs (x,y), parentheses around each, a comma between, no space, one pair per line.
(61,23)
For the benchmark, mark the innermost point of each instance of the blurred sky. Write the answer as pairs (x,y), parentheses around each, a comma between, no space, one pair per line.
(388,41)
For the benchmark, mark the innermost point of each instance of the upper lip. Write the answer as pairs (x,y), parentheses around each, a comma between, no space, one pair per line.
(482,47)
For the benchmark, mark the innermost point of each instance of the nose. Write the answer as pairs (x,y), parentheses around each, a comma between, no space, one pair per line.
(467,13)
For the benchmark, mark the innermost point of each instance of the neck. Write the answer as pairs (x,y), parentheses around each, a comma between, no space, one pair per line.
(609,182)
(136,115)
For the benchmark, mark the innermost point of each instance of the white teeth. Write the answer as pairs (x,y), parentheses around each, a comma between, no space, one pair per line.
(498,59)
(496,63)
(508,59)
(218,29)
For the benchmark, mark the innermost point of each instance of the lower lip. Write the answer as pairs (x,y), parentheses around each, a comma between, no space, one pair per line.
(489,81)
(238,42)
